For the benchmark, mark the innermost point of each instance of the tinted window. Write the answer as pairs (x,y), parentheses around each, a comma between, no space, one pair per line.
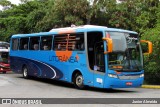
(76,42)
(24,44)
(60,42)
(34,43)
(14,44)
(69,42)
(46,43)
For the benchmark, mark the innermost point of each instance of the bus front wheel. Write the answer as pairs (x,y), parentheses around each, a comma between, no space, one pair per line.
(25,72)
(78,81)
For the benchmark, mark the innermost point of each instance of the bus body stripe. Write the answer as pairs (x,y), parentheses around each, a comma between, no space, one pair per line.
(33,61)
(49,67)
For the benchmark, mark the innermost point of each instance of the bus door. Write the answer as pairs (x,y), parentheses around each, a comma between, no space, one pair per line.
(99,64)
(96,57)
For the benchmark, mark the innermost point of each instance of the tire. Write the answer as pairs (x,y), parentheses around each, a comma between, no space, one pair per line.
(4,72)
(25,72)
(78,81)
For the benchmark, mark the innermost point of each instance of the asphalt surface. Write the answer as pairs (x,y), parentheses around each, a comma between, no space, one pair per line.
(15,86)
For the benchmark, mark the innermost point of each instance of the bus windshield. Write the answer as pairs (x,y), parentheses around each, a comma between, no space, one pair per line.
(127,53)
(4,57)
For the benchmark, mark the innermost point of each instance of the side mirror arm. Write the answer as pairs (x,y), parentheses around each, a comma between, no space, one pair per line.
(109,45)
(150,45)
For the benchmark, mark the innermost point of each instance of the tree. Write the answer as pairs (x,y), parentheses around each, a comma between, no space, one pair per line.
(152,61)
(5,3)
(62,13)
(101,11)
(21,18)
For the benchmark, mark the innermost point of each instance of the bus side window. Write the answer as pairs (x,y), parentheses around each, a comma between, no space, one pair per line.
(73,47)
(15,44)
(82,46)
(24,44)
(72,42)
(45,47)
(77,41)
(34,43)
(60,42)
(46,43)
(35,46)
(59,47)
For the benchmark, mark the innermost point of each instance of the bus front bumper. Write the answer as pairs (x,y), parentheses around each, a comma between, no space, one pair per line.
(119,83)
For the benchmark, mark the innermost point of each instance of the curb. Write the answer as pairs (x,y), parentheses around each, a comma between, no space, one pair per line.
(151,86)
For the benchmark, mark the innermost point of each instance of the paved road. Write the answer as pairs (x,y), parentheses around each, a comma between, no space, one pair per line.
(14,86)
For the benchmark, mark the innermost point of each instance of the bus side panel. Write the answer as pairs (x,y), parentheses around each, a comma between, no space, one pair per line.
(43,64)
(87,75)
(15,65)
(81,66)
(99,79)
(35,68)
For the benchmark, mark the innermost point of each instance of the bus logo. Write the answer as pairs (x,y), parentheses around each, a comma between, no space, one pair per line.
(64,56)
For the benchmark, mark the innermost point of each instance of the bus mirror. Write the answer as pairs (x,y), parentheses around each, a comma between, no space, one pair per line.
(145,50)
(109,45)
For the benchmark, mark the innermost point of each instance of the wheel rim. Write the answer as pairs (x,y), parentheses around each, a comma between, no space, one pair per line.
(79,81)
(25,72)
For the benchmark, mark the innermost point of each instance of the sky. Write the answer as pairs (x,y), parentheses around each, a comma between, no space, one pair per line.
(13,2)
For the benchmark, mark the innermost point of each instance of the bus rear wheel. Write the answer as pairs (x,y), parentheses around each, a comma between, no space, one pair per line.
(78,81)
(25,72)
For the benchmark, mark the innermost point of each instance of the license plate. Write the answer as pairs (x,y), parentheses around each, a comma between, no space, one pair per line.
(128,83)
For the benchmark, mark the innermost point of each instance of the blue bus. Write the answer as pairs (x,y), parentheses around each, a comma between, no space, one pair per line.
(87,55)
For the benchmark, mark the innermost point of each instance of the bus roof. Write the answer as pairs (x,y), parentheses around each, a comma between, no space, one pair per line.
(84,28)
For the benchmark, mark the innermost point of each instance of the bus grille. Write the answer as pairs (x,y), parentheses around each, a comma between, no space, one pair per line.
(129,77)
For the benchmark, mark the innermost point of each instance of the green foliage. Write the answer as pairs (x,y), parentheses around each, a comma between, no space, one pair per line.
(14,25)
(152,68)
(62,13)
(5,3)
(21,19)
(152,62)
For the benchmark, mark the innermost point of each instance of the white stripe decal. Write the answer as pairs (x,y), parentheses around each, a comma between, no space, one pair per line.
(47,66)
(50,68)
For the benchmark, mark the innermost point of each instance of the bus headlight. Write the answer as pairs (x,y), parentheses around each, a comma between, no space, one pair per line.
(113,75)
(141,75)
